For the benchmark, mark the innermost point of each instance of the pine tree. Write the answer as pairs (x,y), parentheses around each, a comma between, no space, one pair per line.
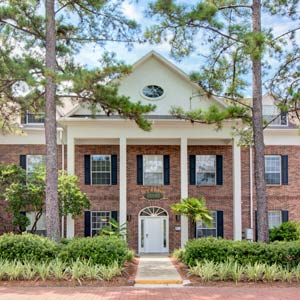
(228,34)
(37,54)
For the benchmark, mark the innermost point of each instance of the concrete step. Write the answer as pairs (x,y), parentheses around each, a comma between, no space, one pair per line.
(157,270)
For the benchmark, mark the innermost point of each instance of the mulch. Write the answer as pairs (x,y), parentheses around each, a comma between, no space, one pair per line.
(126,279)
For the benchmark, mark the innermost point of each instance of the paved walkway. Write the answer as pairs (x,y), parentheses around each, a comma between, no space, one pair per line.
(156,269)
(130,293)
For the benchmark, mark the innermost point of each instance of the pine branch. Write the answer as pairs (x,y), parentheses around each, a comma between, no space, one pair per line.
(286,33)
(234,6)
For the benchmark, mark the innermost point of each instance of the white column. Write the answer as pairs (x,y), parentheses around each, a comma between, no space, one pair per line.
(123,182)
(71,171)
(237,191)
(184,188)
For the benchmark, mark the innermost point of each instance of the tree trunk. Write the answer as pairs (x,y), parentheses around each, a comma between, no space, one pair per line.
(259,147)
(52,213)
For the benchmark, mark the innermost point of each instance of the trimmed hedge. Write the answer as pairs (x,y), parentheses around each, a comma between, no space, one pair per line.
(218,250)
(103,250)
(27,247)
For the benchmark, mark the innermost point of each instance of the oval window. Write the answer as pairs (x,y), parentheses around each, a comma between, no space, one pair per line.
(153,91)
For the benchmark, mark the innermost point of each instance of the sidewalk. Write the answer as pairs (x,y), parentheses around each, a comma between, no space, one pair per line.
(157,269)
(130,293)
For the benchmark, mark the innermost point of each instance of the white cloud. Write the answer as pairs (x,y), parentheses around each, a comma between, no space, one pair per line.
(132,11)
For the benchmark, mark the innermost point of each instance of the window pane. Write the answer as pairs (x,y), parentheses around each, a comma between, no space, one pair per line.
(205,163)
(272,178)
(272,169)
(206,178)
(274,218)
(153,178)
(101,169)
(100,220)
(153,163)
(153,169)
(34,161)
(206,169)
(203,230)
(35,118)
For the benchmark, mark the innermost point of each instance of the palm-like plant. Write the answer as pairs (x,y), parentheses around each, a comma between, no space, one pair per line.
(193,208)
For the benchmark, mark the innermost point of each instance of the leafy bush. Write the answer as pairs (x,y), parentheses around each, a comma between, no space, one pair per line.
(287,231)
(178,254)
(282,253)
(27,247)
(102,250)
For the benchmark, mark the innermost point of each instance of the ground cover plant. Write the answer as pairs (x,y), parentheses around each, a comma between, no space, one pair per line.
(32,257)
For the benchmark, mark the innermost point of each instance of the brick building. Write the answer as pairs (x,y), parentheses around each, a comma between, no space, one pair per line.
(133,176)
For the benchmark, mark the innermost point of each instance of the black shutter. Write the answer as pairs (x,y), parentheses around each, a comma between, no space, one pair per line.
(195,230)
(115,215)
(219,165)
(256,229)
(192,169)
(283,118)
(284,216)
(87,169)
(220,224)
(166,169)
(114,169)
(284,170)
(139,168)
(87,223)
(23,161)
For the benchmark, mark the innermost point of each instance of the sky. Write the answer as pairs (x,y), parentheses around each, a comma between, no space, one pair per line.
(135,10)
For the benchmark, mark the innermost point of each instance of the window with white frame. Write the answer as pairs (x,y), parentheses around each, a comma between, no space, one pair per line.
(272,115)
(33,162)
(203,230)
(274,218)
(153,167)
(34,118)
(100,220)
(101,169)
(40,225)
(273,169)
(205,169)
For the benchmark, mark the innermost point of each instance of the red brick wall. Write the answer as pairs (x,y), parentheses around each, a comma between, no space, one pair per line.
(104,198)
(282,197)
(218,197)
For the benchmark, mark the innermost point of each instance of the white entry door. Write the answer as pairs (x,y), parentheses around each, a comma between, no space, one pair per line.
(154,234)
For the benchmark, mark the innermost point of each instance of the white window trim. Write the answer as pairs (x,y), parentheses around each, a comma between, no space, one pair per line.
(216,228)
(91,167)
(98,211)
(213,184)
(153,172)
(274,155)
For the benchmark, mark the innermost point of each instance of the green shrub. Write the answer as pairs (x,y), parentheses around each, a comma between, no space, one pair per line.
(287,231)
(102,250)
(178,254)
(26,247)
(281,253)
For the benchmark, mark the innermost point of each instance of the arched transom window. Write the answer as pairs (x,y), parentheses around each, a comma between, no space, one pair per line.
(153,211)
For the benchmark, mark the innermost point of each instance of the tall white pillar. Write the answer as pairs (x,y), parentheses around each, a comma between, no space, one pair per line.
(123,182)
(237,191)
(71,171)
(184,188)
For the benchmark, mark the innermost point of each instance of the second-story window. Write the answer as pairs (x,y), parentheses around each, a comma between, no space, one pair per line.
(101,169)
(205,169)
(273,116)
(153,169)
(34,118)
